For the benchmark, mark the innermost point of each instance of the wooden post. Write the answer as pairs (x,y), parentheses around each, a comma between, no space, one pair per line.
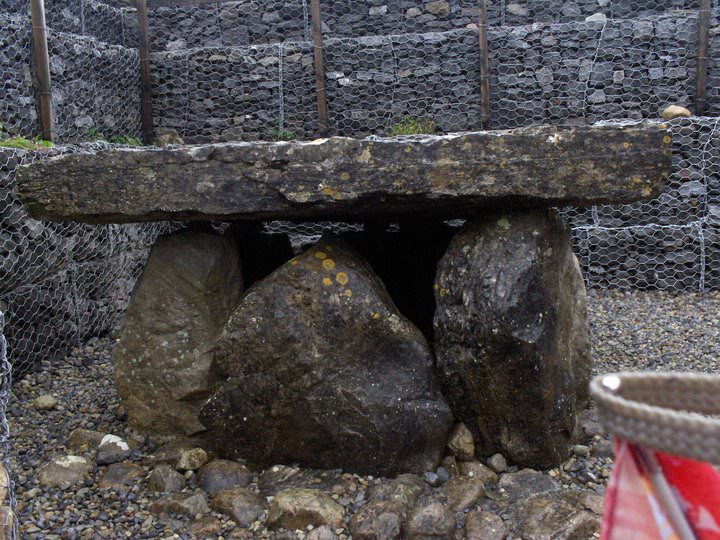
(484,64)
(42,68)
(319,62)
(145,83)
(702,57)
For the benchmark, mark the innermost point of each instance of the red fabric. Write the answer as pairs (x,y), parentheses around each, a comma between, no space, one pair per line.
(698,485)
(633,510)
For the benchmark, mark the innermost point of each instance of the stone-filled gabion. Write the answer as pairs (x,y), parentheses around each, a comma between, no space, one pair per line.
(60,283)
(96,88)
(17,99)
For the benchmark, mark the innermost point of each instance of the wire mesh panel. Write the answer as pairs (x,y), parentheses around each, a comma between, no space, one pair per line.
(17,101)
(96,88)
(60,283)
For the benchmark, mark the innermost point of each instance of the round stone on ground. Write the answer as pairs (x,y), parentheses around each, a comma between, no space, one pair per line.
(191,460)
(429,521)
(45,402)
(165,479)
(298,508)
(65,471)
(243,505)
(221,474)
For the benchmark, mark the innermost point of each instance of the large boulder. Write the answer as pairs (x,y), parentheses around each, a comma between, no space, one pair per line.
(324,371)
(511,335)
(163,362)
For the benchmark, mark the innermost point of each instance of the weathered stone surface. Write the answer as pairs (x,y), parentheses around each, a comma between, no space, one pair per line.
(121,476)
(378,520)
(45,402)
(165,479)
(403,490)
(461,443)
(298,508)
(163,360)
(65,471)
(512,340)
(221,474)
(112,449)
(320,363)
(191,459)
(430,521)
(525,483)
(484,526)
(281,477)
(84,440)
(351,178)
(463,492)
(243,505)
(675,111)
(551,516)
(181,503)
(476,469)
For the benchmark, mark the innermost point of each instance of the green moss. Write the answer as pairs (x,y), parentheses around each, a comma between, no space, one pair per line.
(24,144)
(413,126)
(280,134)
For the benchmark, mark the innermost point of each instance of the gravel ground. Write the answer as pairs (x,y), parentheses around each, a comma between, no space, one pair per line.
(630,330)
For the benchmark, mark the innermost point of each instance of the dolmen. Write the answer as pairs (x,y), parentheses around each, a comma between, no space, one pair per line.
(461,301)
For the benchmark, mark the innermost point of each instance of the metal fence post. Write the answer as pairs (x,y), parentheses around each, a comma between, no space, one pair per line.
(702,56)
(484,63)
(42,68)
(145,83)
(319,63)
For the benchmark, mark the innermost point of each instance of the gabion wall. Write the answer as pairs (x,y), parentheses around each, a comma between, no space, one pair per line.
(540,74)
(62,283)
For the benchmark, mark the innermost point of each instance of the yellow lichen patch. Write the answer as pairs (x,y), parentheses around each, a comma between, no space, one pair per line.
(329,192)
(344,176)
(376,315)
(320,255)
(626,145)
(348,293)
(294,262)
(329,248)
(327,281)
(436,286)
(328,264)
(667,139)
(342,278)
(444,293)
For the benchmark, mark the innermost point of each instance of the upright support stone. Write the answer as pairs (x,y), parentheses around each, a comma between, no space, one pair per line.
(163,362)
(511,335)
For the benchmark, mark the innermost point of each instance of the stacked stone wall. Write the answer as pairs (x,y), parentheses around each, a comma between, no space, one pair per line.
(541,74)
(61,283)
(253,22)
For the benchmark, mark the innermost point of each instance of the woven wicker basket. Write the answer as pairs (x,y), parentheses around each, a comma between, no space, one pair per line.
(677,413)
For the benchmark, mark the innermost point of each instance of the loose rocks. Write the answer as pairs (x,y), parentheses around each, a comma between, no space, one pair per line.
(430,521)
(461,443)
(165,479)
(163,360)
(298,508)
(45,402)
(65,471)
(320,363)
(221,474)
(241,504)
(511,335)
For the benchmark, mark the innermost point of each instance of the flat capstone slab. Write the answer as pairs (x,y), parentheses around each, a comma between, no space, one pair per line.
(352,179)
